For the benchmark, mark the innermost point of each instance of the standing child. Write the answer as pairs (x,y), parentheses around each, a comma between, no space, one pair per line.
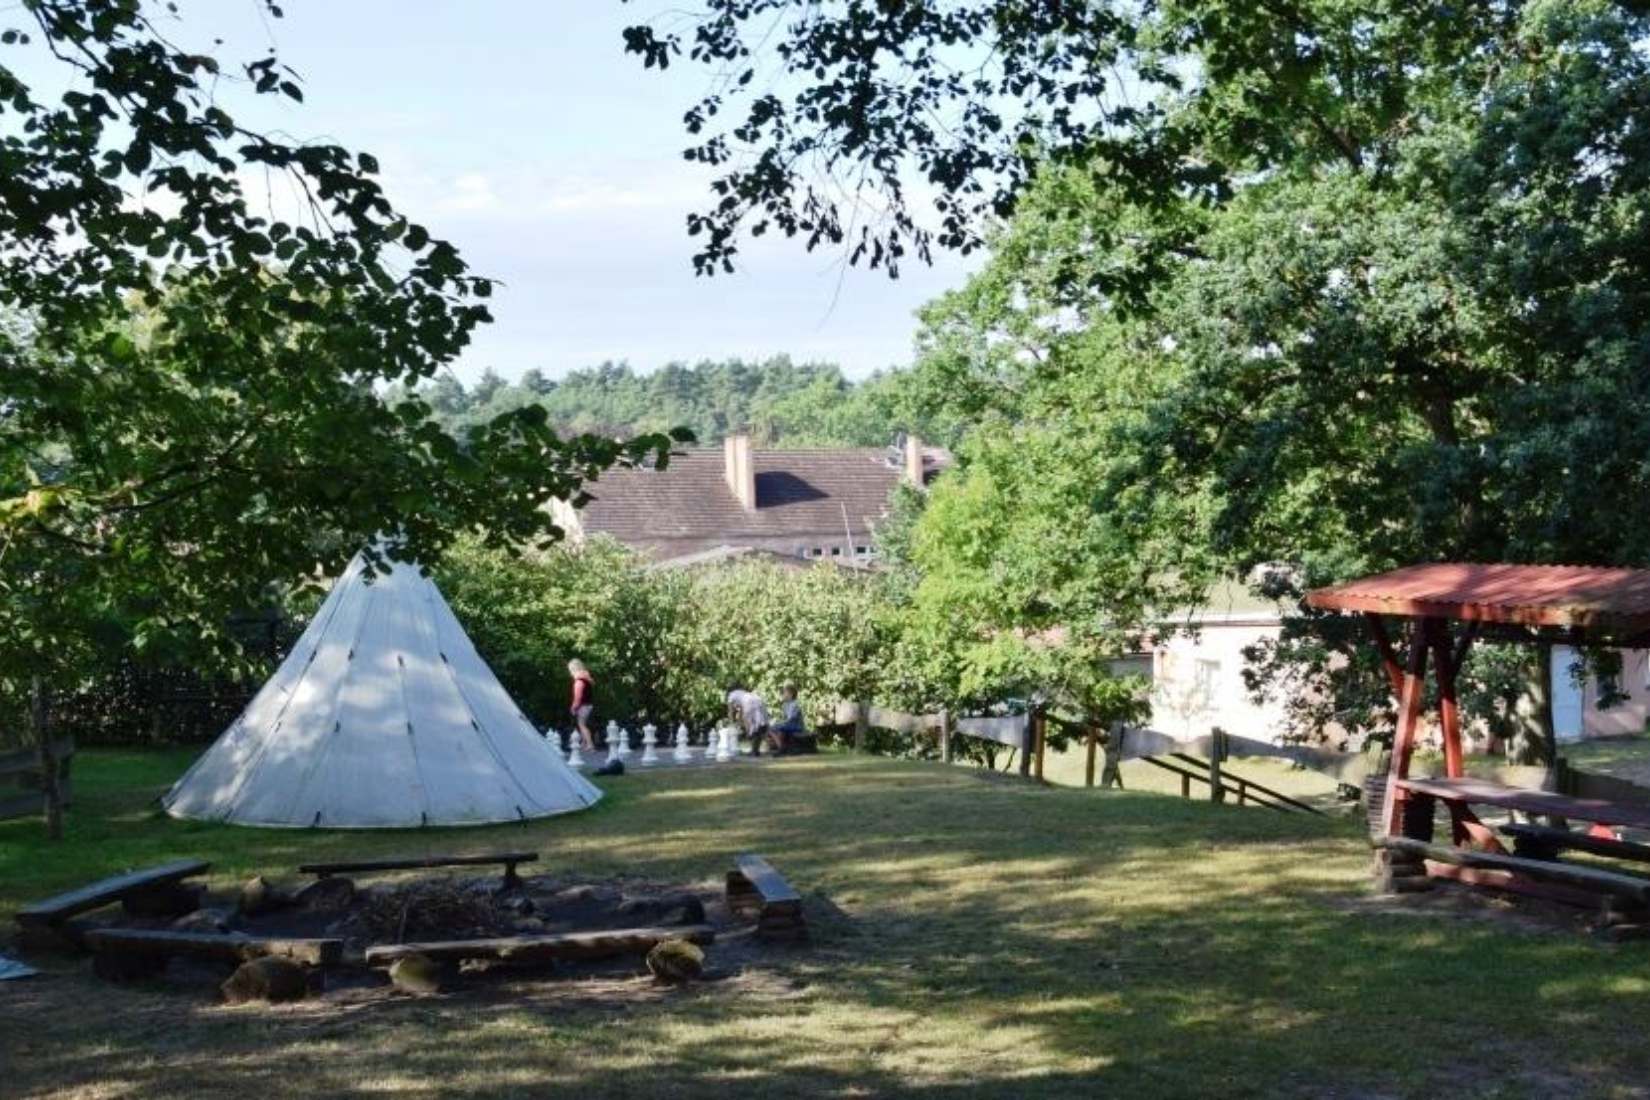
(584,702)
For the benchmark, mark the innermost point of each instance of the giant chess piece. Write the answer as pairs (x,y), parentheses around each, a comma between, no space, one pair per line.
(575,758)
(682,754)
(727,744)
(623,736)
(650,744)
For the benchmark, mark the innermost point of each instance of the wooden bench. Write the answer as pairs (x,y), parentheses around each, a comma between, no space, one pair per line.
(1565,881)
(1546,841)
(119,953)
(508,860)
(157,889)
(552,947)
(753,884)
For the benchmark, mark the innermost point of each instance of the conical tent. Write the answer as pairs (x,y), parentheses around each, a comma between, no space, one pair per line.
(383,716)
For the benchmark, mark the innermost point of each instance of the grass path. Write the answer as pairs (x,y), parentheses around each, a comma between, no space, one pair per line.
(973,938)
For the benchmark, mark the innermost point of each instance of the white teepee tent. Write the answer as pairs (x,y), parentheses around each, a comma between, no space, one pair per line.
(383,716)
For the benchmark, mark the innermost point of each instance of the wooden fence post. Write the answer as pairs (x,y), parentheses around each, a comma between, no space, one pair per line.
(1039,727)
(51,792)
(1217,789)
(1111,775)
(945,735)
(1026,738)
(862,724)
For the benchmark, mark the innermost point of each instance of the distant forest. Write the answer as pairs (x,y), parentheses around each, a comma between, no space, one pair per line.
(780,403)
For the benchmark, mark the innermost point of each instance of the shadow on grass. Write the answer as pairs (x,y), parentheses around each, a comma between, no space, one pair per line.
(969,940)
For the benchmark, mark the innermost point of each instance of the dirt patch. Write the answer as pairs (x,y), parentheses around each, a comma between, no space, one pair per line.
(1514,913)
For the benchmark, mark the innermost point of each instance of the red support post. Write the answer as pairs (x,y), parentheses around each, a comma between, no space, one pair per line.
(1410,700)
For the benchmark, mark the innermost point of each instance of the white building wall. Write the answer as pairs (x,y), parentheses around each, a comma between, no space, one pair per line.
(1197,681)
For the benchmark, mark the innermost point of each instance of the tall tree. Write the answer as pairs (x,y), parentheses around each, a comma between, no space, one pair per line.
(834,121)
(190,409)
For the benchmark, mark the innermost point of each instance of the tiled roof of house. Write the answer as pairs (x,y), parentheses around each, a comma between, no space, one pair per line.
(797,493)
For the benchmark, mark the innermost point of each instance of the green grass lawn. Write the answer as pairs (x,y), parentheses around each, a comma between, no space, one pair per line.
(972,938)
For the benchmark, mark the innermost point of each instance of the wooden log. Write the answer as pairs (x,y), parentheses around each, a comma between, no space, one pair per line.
(233,947)
(107,891)
(507,860)
(1499,867)
(547,948)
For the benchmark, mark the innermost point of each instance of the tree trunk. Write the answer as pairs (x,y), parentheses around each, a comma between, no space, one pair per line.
(1534,742)
(46,752)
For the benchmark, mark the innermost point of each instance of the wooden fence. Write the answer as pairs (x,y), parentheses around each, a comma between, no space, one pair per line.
(1021,732)
(20,779)
(1027,733)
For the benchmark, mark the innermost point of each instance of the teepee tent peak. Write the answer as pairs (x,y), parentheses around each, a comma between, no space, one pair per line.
(382,716)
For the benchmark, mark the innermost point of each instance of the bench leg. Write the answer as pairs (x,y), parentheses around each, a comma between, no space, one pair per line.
(512,881)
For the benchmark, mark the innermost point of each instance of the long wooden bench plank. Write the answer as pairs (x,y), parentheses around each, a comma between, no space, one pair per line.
(546,948)
(1547,803)
(507,860)
(410,863)
(1547,840)
(216,945)
(1613,883)
(107,891)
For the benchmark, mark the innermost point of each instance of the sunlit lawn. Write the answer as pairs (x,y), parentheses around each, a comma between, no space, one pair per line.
(972,938)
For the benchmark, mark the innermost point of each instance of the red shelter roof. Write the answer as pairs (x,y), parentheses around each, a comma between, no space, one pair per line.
(1590,599)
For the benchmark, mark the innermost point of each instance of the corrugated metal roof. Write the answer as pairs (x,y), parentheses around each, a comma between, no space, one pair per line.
(1597,599)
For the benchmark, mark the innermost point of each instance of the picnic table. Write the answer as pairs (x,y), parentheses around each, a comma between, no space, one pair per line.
(1443,609)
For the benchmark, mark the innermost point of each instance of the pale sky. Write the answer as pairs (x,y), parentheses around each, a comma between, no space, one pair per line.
(520,131)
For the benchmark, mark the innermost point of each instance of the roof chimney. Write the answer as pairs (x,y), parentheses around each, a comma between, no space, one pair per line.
(740,471)
(913,461)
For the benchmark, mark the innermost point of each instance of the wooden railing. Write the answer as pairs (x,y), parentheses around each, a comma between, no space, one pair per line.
(1027,733)
(20,779)
(1021,732)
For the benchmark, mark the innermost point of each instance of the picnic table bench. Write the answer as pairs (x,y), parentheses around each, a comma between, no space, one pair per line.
(508,860)
(550,947)
(154,889)
(1477,856)
(1589,882)
(753,884)
(1546,841)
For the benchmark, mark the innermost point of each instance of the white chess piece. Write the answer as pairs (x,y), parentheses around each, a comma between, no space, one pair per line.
(725,744)
(575,759)
(682,754)
(650,744)
(624,743)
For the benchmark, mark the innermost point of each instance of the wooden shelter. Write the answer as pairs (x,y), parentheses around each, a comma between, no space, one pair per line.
(1446,607)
